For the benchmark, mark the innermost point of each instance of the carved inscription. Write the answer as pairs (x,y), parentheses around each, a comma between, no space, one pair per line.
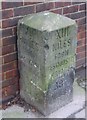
(63,43)
(62,53)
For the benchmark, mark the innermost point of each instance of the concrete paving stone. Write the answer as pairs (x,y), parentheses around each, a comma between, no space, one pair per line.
(81,114)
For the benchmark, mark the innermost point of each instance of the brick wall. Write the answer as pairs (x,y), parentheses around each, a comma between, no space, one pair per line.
(11,13)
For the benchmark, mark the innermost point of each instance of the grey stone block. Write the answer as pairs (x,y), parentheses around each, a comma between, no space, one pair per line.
(46,53)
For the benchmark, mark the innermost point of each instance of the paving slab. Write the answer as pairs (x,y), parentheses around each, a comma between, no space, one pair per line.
(80,114)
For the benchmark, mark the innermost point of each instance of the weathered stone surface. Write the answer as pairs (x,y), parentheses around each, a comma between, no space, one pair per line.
(46,53)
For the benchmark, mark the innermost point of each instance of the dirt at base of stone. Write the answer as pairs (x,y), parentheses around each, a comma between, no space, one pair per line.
(81,77)
(20,102)
(82,83)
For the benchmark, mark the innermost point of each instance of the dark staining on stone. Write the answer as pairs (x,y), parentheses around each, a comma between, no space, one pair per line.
(27,28)
(46,47)
(60,87)
(72,75)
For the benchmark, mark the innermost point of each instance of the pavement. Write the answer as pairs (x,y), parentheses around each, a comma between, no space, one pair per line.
(75,109)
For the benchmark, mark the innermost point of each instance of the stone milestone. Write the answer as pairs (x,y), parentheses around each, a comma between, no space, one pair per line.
(46,53)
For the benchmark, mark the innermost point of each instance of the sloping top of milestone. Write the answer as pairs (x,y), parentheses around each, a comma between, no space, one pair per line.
(47,21)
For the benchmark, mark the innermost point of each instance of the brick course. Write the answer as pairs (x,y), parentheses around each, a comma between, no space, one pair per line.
(6,5)
(8,66)
(44,7)
(8,49)
(8,40)
(24,10)
(10,22)
(9,74)
(7,13)
(11,13)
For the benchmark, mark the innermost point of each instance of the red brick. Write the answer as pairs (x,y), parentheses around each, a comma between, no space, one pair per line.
(9,74)
(75,2)
(44,6)
(80,62)
(82,6)
(81,35)
(62,4)
(66,3)
(59,4)
(7,32)
(23,10)
(82,28)
(78,15)
(57,11)
(81,42)
(81,49)
(9,40)
(9,90)
(11,81)
(8,49)
(7,13)
(6,5)
(9,57)
(81,55)
(9,66)
(10,22)
(81,21)
(30,3)
(70,9)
